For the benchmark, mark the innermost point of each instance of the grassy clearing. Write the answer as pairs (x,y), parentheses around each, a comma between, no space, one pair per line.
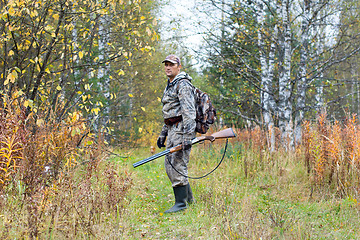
(251,196)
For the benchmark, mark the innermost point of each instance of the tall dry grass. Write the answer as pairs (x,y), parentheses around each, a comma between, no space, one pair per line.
(330,151)
(53,180)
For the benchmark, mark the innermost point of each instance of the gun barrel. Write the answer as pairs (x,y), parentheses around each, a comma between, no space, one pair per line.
(149,159)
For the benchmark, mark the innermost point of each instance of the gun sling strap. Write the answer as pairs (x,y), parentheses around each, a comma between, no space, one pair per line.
(222,158)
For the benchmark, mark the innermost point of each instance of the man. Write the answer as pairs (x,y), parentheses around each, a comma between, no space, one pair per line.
(179,116)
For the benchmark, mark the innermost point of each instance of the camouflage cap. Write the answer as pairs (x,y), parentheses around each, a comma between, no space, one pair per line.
(173,59)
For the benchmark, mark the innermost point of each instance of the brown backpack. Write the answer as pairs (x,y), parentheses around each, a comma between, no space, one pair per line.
(205,112)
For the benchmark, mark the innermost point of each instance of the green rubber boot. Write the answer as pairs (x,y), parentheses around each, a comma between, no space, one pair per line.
(190,198)
(181,196)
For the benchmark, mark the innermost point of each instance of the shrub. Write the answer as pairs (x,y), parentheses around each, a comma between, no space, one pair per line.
(53,179)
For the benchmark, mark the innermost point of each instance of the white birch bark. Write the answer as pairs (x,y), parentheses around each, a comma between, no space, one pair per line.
(285,110)
(103,71)
(271,102)
(318,81)
(74,34)
(302,83)
(266,80)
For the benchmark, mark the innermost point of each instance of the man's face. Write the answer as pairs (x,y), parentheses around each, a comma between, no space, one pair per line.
(171,70)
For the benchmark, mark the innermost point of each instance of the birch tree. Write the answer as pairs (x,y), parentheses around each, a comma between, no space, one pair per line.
(303,71)
(294,46)
(285,105)
(267,66)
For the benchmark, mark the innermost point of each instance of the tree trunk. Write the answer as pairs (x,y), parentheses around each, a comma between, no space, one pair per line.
(302,83)
(319,97)
(103,71)
(285,110)
(266,80)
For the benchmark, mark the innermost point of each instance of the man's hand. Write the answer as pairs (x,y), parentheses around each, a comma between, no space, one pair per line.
(161,141)
(186,145)
(162,137)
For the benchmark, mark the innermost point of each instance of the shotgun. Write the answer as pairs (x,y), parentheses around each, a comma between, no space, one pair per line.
(226,133)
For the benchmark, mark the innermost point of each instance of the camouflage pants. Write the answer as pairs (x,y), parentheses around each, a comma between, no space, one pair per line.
(178,159)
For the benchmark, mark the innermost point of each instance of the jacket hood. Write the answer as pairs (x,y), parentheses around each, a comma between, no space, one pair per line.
(181,76)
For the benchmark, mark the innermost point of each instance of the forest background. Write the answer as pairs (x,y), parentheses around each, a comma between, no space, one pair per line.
(78,77)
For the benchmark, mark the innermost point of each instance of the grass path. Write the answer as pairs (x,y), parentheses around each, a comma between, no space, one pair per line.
(246,198)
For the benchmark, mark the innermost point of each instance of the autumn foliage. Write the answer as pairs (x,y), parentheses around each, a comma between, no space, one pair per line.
(55,170)
(332,152)
(31,148)
(13,137)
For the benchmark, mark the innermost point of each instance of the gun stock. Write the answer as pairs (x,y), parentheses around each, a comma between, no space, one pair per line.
(226,133)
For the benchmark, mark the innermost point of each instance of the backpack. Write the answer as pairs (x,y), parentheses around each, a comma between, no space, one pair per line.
(205,112)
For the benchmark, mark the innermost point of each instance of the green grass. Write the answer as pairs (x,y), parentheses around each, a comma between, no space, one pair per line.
(246,198)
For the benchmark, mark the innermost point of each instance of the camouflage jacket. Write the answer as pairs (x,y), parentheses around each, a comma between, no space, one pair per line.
(179,100)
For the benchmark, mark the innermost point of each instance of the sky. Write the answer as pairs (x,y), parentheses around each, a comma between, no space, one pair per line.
(180,19)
